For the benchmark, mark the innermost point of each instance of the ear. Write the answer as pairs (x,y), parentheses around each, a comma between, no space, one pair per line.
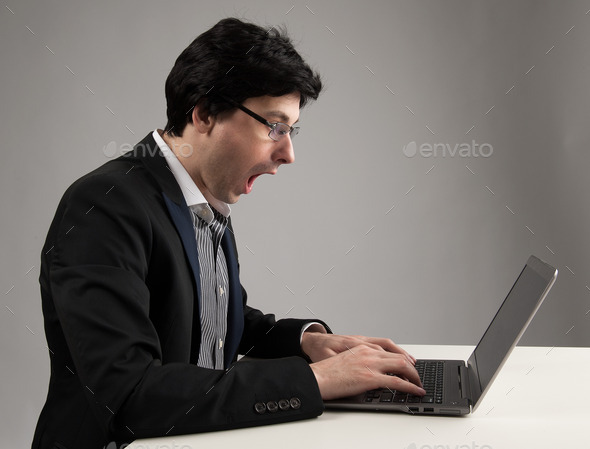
(202,121)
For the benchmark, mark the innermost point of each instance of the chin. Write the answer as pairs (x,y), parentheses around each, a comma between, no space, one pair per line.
(226,197)
(231,199)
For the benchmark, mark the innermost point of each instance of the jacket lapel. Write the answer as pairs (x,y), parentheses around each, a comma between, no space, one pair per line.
(182,220)
(235,308)
(148,152)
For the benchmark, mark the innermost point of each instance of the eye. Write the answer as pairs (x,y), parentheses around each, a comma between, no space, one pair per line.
(283,129)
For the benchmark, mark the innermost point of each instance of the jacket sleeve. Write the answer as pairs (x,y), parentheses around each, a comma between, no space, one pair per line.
(264,336)
(97,267)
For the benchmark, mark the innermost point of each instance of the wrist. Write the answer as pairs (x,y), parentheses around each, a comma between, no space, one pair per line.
(315,327)
(318,378)
(306,343)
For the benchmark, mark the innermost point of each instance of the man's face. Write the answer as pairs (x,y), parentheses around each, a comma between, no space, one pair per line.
(240,149)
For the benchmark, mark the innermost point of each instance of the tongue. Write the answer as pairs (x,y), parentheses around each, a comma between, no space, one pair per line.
(250,183)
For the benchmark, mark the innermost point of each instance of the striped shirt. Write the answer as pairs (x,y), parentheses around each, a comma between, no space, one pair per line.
(209,224)
(209,227)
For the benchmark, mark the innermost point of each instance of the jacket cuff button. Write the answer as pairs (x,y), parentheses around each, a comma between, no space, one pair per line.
(284,404)
(260,408)
(272,406)
(295,403)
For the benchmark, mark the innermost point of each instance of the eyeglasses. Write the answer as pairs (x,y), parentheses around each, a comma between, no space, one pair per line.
(278,130)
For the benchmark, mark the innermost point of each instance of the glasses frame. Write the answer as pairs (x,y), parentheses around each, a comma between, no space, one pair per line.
(293,130)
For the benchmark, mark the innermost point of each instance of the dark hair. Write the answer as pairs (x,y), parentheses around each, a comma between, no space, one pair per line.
(238,60)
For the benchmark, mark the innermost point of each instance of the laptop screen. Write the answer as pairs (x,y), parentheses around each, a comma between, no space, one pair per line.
(509,324)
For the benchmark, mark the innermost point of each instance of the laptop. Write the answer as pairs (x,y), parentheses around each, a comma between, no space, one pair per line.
(456,387)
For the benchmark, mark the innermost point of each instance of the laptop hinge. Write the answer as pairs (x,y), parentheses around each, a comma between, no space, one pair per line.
(464,382)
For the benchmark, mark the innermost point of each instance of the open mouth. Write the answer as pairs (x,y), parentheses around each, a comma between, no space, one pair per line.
(251,179)
(250,183)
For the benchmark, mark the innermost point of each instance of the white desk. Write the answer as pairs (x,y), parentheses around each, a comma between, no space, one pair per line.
(549,416)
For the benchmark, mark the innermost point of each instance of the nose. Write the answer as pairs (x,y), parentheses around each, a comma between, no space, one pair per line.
(284,153)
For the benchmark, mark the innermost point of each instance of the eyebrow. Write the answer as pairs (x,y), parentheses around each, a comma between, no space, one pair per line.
(284,118)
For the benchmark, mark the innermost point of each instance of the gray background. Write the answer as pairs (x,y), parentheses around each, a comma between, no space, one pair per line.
(355,232)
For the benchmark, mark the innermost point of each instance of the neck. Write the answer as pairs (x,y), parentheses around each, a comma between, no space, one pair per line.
(185,151)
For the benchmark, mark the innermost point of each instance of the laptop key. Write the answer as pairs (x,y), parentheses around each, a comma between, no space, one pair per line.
(400,398)
(386,397)
(427,399)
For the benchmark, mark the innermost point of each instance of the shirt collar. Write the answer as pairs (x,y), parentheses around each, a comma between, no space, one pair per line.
(191,193)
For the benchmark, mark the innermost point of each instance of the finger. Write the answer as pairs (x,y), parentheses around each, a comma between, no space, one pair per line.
(410,357)
(374,346)
(387,345)
(397,383)
(407,355)
(353,342)
(405,371)
(390,346)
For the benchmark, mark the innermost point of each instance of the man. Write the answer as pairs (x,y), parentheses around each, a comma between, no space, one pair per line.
(144,311)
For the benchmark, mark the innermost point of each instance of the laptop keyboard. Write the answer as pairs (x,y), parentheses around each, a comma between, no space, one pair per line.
(431,375)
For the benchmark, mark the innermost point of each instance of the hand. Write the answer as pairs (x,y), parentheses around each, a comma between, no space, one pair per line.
(320,346)
(364,368)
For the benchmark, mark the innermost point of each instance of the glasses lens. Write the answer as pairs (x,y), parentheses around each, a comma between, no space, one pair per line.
(280,130)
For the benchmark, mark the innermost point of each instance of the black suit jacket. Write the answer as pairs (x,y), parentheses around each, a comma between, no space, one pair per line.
(120,293)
